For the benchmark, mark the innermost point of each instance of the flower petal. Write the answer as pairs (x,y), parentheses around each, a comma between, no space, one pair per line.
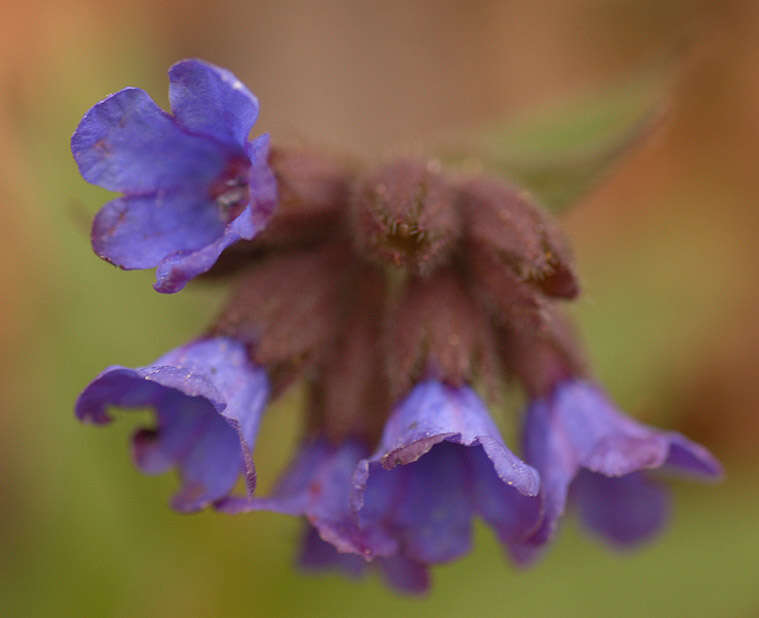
(141,231)
(604,440)
(317,484)
(551,452)
(263,186)
(244,386)
(400,572)
(176,270)
(623,510)
(210,100)
(691,458)
(434,511)
(293,493)
(181,420)
(211,468)
(404,574)
(434,412)
(145,386)
(318,555)
(127,143)
(513,516)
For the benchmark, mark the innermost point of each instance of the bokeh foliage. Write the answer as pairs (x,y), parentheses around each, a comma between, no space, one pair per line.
(562,151)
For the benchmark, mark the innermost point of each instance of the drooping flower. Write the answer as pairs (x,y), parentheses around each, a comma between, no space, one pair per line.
(192,183)
(207,397)
(317,486)
(580,443)
(440,461)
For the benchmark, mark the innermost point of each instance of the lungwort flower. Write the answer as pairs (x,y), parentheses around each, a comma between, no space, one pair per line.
(404,297)
(192,183)
(207,397)
(576,438)
(588,451)
(440,461)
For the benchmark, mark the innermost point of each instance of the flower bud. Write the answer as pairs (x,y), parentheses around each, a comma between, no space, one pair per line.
(521,236)
(404,214)
(511,301)
(436,331)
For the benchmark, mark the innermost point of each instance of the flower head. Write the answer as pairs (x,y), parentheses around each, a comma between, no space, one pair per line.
(207,398)
(577,439)
(192,183)
(401,295)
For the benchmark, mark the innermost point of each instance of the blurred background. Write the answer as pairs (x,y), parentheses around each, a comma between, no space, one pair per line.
(666,251)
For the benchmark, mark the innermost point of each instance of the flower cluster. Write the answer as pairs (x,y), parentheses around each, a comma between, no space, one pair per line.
(404,297)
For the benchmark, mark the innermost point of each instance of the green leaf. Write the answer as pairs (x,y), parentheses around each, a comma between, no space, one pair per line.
(560,152)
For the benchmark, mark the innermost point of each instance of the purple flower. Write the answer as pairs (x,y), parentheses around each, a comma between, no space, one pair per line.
(207,397)
(317,485)
(577,437)
(441,460)
(192,183)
